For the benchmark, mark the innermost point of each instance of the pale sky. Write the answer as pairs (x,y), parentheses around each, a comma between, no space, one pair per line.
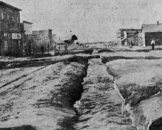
(90,20)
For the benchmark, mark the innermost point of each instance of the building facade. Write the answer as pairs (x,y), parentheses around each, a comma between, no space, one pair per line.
(151,32)
(128,36)
(141,37)
(27,39)
(10,32)
(27,27)
(42,40)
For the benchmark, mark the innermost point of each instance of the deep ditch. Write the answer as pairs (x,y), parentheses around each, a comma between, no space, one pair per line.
(25,127)
(127,106)
(70,95)
(75,94)
(68,123)
(156,125)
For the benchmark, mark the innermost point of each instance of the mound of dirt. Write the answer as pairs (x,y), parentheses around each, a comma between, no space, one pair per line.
(137,80)
(42,99)
(100,105)
(140,83)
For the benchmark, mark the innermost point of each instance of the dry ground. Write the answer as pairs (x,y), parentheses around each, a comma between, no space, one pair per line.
(39,93)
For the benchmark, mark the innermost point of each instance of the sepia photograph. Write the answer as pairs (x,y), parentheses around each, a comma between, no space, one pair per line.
(80,64)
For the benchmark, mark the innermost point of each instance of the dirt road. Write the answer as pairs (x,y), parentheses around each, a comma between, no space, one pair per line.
(111,91)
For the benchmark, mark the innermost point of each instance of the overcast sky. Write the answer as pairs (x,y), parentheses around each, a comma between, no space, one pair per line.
(90,20)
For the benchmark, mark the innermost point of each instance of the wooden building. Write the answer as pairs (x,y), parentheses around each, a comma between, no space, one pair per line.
(128,36)
(152,31)
(27,39)
(42,39)
(10,33)
(27,27)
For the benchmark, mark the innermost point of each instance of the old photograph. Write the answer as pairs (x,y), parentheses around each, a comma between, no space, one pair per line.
(80,64)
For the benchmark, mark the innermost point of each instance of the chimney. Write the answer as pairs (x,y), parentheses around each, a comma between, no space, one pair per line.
(157,22)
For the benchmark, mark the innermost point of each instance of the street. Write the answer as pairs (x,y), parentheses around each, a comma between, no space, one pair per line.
(115,90)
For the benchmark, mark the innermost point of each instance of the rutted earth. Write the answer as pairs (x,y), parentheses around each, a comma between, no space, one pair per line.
(116,91)
(101,105)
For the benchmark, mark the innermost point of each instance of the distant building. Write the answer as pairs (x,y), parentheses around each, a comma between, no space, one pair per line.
(65,45)
(128,36)
(54,39)
(43,38)
(26,29)
(60,44)
(151,31)
(10,34)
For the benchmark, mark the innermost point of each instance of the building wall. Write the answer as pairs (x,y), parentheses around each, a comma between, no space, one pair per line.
(9,19)
(9,27)
(157,36)
(128,36)
(141,39)
(151,28)
(43,38)
(27,28)
(152,31)
(27,39)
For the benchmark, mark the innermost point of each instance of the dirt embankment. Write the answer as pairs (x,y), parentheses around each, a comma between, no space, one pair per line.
(140,83)
(44,99)
(43,96)
(100,105)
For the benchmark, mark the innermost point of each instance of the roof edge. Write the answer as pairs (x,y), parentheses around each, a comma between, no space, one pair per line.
(41,30)
(27,22)
(129,29)
(3,3)
(151,24)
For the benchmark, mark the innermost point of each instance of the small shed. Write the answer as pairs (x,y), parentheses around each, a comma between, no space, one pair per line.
(61,45)
(128,36)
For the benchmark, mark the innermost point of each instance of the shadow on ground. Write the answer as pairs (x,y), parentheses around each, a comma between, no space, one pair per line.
(87,51)
(25,127)
(142,50)
(27,63)
(42,62)
(111,58)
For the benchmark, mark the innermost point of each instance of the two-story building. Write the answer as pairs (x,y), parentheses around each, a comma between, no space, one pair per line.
(10,34)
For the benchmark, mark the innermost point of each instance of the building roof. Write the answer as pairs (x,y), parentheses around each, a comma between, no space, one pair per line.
(39,31)
(27,22)
(152,28)
(59,42)
(129,29)
(10,6)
